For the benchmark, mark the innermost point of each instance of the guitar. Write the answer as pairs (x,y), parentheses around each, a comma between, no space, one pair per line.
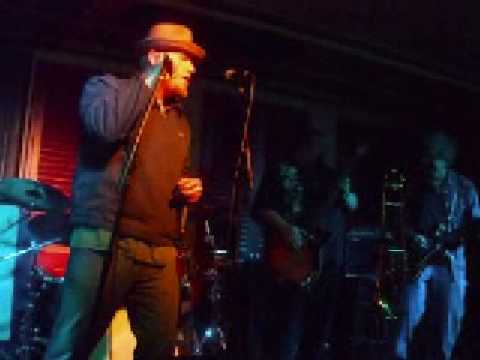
(296,264)
(425,249)
(301,263)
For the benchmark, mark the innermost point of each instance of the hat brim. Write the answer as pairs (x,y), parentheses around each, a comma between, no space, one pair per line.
(189,48)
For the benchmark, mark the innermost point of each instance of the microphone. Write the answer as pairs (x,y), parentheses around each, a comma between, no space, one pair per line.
(237,74)
(183,219)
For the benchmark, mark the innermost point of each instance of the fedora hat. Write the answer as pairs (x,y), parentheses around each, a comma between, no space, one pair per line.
(171,37)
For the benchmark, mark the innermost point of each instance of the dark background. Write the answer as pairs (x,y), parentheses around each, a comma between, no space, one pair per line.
(389,71)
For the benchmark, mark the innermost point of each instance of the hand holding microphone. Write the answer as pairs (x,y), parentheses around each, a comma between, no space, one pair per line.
(237,74)
(158,64)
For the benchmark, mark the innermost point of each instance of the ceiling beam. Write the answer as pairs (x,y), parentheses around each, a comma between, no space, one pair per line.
(409,66)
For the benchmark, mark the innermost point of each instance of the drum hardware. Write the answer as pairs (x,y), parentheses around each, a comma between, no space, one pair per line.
(34,246)
(37,318)
(46,279)
(45,216)
(213,337)
(20,220)
(32,195)
(186,342)
(209,337)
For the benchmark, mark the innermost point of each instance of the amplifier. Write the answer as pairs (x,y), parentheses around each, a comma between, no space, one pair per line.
(251,242)
(362,250)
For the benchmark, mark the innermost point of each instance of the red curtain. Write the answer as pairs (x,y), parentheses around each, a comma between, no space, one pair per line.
(58,87)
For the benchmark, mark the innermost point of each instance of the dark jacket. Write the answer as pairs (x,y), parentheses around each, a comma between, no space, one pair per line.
(110,108)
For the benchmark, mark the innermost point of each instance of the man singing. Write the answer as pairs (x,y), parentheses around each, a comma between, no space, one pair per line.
(134,268)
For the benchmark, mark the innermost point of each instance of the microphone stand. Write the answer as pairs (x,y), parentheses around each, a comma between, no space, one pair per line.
(243,174)
(238,337)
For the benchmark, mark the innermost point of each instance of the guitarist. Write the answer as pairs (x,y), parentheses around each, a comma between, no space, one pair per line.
(439,213)
(293,207)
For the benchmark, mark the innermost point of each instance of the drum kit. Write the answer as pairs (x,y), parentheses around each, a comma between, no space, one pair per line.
(43,260)
(203,327)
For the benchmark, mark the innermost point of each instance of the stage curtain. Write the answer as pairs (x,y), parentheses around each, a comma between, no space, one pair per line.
(16,67)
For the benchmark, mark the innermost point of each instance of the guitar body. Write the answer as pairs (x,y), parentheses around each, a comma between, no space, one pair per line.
(299,266)
(433,249)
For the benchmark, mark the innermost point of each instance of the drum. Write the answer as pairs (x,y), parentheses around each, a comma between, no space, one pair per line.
(51,262)
(43,297)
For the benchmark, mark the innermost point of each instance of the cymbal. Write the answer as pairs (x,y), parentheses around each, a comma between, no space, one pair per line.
(32,195)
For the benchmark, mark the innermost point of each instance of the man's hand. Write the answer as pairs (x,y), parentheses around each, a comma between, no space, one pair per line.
(292,235)
(190,188)
(422,241)
(351,201)
(298,238)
